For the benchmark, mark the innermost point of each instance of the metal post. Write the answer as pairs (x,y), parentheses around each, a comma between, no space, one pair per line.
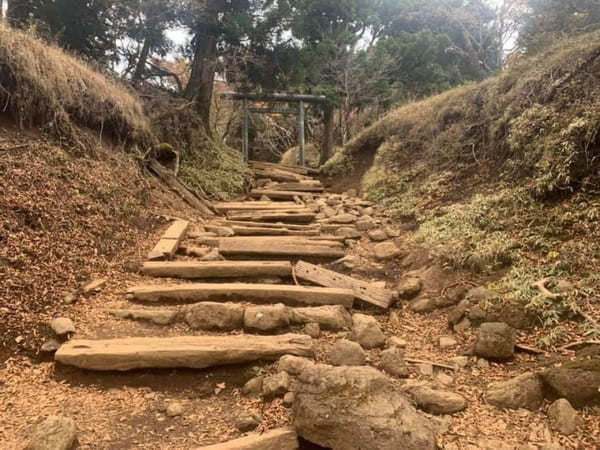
(245,143)
(301,131)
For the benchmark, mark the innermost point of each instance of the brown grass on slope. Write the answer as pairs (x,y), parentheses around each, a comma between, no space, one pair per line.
(42,86)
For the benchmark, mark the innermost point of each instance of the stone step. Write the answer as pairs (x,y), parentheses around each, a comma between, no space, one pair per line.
(217,269)
(264,293)
(193,352)
(279,439)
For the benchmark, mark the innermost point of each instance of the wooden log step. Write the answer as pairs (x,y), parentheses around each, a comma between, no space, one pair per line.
(303,186)
(169,242)
(217,269)
(279,439)
(365,291)
(266,231)
(280,195)
(279,175)
(265,293)
(277,247)
(287,226)
(194,352)
(290,168)
(270,240)
(294,216)
(256,206)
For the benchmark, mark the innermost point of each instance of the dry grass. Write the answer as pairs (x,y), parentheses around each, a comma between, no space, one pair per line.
(42,86)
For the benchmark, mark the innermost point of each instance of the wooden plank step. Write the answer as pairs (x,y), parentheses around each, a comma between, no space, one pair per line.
(290,168)
(278,247)
(217,269)
(288,226)
(194,352)
(267,293)
(279,175)
(280,195)
(295,216)
(279,439)
(316,187)
(266,231)
(365,291)
(268,241)
(169,242)
(256,206)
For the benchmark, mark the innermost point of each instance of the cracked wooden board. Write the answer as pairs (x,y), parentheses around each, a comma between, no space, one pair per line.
(217,269)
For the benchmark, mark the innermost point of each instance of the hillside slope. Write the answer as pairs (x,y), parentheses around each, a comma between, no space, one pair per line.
(501,178)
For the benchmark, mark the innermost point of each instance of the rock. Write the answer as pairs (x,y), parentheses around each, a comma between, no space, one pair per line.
(366,331)
(50,346)
(483,363)
(563,418)
(409,287)
(452,296)
(174,409)
(576,381)
(94,285)
(213,255)
(392,361)
(276,385)
(447,342)
(54,433)
(459,361)
(293,365)
(377,235)
(477,295)
(423,305)
(224,232)
(396,341)
(248,420)
(443,379)
(347,353)
(463,326)
(62,326)
(354,408)
(253,386)
(392,232)
(330,317)
(69,298)
(436,401)
(312,329)
(365,224)
(288,399)
(343,218)
(266,318)
(386,250)
(158,317)
(352,192)
(524,391)
(425,369)
(495,340)
(215,316)
(347,233)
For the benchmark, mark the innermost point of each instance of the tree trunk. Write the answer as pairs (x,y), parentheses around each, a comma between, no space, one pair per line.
(202,78)
(327,150)
(18,12)
(141,64)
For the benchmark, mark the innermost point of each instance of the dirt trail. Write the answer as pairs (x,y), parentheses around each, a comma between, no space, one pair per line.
(170,405)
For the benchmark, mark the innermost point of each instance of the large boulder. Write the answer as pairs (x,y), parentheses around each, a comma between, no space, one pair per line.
(54,433)
(524,391)
(563,418)
(366,331)
(352,408)
(266,318)
(330,317)
(496,340)
(215,316)
(577,381)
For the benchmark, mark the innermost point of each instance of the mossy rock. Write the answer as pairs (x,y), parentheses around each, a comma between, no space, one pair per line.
(577,381)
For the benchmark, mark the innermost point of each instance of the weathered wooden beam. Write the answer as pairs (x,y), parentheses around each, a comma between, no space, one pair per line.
(295,216)
(286,98)
(217,269)
(288,226)
(266,293)
(280,195)
(277,175)
(363,290)
(266,231)
(256,206)
(279,439)
(316,187)
(284,112)
(169,242)
(281,248)
(194,352)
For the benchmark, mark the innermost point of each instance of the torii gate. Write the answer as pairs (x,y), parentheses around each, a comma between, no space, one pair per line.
(300,100)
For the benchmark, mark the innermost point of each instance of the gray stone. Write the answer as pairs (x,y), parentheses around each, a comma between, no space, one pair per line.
(266,318)
(483,363)
(423,305)
(563,417)
(343,218)
(224,232)
(392,232)
(392,361)
(377,235)
(54,433)
(495,340)
(312,329)
(409,287)
(62,326)
(436,401)
(50,346)
(396,341)
(347,353)
(276,385)
(366,331)
(447,342)
(459,361)
(215,316)
(174,409)
(524,391)
(157,317)
(330,317)
(425,369)
(577,381)
(253,386)
(477,294)
(386,250)
(463,326)
(365,224)
(248,420)
(354,408)
(288,399)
